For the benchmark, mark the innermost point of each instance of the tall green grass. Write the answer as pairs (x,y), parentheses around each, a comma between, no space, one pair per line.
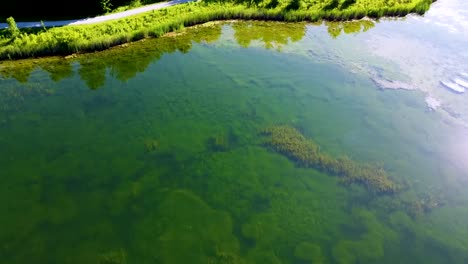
(72,39)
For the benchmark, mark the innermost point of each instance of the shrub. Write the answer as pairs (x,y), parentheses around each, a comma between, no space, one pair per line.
(12,27)
(106,6)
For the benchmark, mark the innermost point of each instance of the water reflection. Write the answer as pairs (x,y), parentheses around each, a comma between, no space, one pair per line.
(272,35)
(336,28)
(20,70)
(120,62)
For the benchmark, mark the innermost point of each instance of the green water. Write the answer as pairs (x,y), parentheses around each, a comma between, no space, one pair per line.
(153,153)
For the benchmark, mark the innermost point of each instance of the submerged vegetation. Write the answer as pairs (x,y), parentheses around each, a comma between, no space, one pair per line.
(113,257)
(14,98)
(84,38)
(158,169)
(306,153)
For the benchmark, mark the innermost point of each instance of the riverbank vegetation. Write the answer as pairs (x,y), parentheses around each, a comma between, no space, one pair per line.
(120,61)
(84,38)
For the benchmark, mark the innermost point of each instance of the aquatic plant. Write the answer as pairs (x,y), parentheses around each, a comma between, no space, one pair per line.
(151,144)
(309,252)
(187,231)
(306,153)
(113,257)
(218,143)
(419,207)
(369,246)
(225,258)
(14,97)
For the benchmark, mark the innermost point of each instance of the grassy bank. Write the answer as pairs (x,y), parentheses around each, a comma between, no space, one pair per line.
(85,38)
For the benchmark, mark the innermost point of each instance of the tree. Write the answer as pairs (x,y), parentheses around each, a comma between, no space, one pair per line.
(106,6)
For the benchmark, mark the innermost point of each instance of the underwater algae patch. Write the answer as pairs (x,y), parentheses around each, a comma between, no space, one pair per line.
(185,229)
(306,153)
(15,98)
(113,257)
(369,246)
(309,252)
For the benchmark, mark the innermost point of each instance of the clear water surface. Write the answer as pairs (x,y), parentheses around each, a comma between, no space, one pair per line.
(153,153)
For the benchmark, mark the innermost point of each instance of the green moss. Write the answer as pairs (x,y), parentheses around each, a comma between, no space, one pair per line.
(306,153)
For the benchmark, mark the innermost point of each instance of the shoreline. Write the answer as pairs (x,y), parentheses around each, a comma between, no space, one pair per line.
(65,41)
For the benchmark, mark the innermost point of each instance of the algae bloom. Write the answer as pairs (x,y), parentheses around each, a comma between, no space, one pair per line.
(306,153)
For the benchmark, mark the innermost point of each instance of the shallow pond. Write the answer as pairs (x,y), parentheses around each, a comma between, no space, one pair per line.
(163,152)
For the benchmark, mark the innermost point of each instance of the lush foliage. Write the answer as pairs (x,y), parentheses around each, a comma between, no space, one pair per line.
(72,39)
(12,27)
